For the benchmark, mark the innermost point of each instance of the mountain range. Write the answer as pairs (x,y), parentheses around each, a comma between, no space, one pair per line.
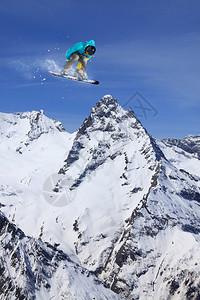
(108,212)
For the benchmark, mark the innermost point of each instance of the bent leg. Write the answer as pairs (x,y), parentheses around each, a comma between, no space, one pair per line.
(73,58)
(77,68)
(82,70)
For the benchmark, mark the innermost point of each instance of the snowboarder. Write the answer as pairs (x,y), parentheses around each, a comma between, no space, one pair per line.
(80,52)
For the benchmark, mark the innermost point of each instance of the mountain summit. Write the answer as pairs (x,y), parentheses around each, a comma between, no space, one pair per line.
(120,203)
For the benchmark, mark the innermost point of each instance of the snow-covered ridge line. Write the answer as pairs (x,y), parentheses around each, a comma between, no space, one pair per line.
(23,128)
(36,121)
(190,144)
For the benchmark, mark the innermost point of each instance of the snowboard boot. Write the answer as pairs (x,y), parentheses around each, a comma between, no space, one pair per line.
(81,74)
(75,74)
(64,72)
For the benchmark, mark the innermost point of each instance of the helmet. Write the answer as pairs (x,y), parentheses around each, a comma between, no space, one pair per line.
(90,50)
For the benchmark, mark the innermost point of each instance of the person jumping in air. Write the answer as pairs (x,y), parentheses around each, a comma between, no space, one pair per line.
(80,52)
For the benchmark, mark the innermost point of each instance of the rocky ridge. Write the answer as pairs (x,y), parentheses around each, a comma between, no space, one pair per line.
(31,269)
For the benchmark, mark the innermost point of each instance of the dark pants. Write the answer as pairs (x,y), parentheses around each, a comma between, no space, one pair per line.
(76,57)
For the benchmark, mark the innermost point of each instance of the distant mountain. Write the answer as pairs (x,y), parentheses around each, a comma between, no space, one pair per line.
(189,144)
(120,203)
(23,128)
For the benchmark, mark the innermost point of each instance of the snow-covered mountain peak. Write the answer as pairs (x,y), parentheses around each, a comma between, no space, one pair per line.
(108,116)
(106,104)
(105,134)
(107,99)
(19,130)
(30,123)
(109,108)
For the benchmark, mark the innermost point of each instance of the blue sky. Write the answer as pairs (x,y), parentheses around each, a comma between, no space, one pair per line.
(148,58)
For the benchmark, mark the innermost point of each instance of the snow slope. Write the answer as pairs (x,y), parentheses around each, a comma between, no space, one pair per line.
(31,269)
(32,148)
(120,203)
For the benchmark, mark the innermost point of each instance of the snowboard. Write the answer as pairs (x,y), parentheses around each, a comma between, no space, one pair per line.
(91,81)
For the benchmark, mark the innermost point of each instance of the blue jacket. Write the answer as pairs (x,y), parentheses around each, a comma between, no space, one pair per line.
(80,48)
